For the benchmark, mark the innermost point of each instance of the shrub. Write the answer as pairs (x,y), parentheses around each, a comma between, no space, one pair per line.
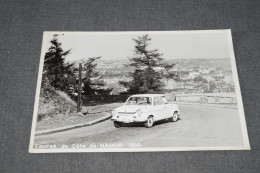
(66,97)
(53,103)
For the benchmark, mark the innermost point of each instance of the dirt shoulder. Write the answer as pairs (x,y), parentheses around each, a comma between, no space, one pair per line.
(89,113)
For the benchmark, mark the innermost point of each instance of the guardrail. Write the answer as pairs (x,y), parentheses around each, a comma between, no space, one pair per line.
(215,98)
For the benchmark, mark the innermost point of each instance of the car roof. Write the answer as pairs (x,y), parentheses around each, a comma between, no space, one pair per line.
(148,95)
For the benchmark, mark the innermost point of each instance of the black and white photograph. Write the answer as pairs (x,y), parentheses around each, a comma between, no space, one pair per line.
(138,91)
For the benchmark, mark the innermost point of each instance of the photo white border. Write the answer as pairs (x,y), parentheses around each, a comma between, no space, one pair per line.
(245,146)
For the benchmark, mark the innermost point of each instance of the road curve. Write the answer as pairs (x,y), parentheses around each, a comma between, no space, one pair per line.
(199,126)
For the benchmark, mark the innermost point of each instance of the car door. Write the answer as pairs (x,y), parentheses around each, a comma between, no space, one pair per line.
(159,108)
(167,108)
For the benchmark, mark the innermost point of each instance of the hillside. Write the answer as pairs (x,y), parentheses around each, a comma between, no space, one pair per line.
(55,105)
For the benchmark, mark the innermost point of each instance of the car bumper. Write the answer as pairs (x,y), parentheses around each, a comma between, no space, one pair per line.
(128,119)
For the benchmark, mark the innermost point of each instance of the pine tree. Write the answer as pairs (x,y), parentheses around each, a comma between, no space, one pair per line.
(144,78)
(59,74)
(92,82)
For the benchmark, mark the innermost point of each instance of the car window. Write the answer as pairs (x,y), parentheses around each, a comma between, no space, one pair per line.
(158,101)
(139,101)
(164,100)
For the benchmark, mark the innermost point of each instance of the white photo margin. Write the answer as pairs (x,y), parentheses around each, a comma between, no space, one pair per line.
(245,146)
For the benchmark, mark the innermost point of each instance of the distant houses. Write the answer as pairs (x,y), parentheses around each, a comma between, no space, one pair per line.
(194,76)
(201,80)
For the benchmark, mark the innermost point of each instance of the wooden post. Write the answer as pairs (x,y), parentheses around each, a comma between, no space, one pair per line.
(79,89)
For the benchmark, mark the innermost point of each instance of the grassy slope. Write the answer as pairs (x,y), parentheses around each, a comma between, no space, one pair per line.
(57,109)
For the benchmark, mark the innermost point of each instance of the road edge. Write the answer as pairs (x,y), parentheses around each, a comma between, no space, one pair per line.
(61,129)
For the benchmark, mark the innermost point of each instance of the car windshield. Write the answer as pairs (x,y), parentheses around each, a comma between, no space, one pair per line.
(139,101)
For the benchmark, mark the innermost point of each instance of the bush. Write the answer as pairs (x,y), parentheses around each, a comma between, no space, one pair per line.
(54,103)
(66,97)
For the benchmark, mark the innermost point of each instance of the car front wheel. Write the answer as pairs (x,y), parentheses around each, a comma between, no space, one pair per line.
(149,122)
(118,124)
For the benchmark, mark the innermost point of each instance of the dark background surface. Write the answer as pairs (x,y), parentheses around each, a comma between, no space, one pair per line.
(21,27)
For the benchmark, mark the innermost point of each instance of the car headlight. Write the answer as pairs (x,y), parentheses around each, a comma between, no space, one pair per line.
(139,112)
(114,113)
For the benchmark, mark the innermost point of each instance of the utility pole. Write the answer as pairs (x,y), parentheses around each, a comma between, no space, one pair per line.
(79,89)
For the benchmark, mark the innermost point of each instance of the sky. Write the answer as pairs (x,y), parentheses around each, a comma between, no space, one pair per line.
(112,45)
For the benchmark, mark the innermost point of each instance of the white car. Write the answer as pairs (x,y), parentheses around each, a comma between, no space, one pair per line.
(145,108)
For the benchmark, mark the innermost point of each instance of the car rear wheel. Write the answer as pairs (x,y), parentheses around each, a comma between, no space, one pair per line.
(174,117)
(118,124)
(149,122)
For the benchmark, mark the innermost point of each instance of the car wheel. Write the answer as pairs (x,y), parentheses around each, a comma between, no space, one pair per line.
(174,117)
(118,124)
(149,122)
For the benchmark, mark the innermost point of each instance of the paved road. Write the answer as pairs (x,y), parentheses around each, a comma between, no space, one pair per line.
(200,125)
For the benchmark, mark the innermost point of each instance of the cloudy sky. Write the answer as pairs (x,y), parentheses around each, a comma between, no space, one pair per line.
(173,45)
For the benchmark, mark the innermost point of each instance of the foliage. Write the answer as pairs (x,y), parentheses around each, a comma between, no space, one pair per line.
(53,103)
(144,78)
(212,87)
(200,79)
(92,82)
(172,75)
(144,81)
(59,74)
